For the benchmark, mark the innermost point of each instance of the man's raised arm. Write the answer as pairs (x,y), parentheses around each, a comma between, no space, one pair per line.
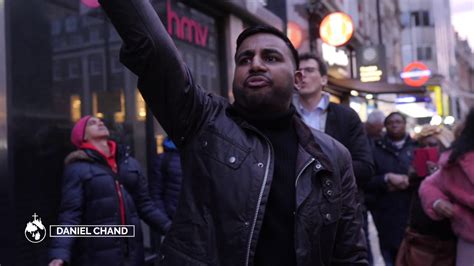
(164,81)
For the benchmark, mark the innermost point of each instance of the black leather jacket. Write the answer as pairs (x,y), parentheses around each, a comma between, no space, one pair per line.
(228,164)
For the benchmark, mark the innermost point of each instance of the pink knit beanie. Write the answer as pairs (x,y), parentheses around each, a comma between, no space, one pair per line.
(79,130)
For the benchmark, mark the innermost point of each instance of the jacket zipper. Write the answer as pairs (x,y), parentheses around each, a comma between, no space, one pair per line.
(103,163)
(262,189)
(302,170)
(121,204)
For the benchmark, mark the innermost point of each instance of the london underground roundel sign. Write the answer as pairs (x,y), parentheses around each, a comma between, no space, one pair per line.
(416,74)
(336,29)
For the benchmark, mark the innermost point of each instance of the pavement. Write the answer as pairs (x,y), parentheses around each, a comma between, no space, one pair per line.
(374,243)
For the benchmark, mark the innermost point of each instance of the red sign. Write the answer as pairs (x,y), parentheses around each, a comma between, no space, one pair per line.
(336,29)
(416,74)
(186,28)
(295,34)
(91,3)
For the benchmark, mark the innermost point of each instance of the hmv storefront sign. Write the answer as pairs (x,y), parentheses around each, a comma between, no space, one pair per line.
(195,35)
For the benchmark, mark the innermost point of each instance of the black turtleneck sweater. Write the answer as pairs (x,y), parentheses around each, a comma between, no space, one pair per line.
(276,239)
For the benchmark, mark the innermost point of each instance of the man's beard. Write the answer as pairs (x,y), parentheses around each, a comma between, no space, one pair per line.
(271,101)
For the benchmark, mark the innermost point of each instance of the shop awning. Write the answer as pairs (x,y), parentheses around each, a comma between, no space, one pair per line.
(346,85)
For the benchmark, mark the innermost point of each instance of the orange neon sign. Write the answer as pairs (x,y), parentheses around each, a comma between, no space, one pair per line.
(336,29)
(295,34)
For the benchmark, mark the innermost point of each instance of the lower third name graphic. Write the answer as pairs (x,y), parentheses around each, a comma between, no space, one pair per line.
(92,230)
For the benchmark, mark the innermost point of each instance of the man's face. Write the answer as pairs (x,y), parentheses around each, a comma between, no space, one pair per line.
(264,74)
(312,82)
(396,127)
(95,129)
(374,130)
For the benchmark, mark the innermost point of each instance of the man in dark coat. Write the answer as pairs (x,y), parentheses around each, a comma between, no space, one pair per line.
(374,125)
(258,187)
(393,155)
(102,186)
(338,121)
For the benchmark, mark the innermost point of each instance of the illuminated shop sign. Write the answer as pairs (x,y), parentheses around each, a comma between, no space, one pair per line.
(334,56)
(336,29)
(294,33)
(185,28)
(370,73)
(413,99)
(371,63)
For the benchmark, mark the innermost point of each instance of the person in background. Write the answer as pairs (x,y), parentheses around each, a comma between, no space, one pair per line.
(374,125)
(393,154)
(449,192)
(165,181)
(374,128)
(166,177)
(338,121)
(427,242)
(102,185)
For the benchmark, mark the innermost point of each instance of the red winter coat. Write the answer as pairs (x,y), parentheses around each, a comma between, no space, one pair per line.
(455,183)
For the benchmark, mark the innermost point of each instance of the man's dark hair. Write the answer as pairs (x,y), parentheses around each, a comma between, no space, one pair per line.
(271,30)
(323,69)
(393,114)
(465,141)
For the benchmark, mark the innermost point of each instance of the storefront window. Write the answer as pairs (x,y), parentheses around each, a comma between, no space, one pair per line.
(195,35)
(64,64)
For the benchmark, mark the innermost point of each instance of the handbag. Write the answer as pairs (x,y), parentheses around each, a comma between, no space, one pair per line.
(425,250)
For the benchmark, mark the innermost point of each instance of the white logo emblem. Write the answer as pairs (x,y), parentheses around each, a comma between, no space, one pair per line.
(35,231)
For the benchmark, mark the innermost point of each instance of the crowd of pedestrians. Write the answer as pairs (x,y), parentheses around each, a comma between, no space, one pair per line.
(281,176)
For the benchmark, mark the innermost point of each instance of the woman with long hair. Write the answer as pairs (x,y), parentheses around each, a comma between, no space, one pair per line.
(449,192)
(427,242)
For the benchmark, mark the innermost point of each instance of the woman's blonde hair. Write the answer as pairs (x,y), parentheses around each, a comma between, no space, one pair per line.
(444,135)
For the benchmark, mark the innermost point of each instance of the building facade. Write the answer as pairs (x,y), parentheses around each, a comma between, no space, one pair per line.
(428,37)
(464,78)
(377,28)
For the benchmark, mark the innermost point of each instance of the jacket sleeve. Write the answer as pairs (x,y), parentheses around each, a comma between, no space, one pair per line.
(70,212)
(350,247)
(147,210)
(163,79)
(430,191)
(157,182)
(377,184)
(362,161)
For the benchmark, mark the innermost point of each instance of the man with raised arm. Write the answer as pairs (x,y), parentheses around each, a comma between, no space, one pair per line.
(258,187)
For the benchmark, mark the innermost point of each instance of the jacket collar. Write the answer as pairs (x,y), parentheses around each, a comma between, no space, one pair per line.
(387,144)
(87,155)
(77,156)
(307,140)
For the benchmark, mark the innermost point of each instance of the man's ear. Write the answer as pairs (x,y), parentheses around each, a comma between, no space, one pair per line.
(298,79)
(324,80)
